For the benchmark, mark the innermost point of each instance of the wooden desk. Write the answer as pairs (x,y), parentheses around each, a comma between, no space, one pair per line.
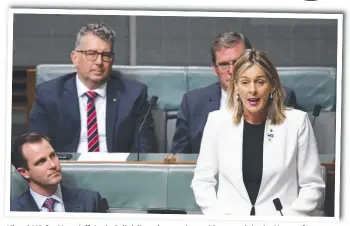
(130,162)
(166,161)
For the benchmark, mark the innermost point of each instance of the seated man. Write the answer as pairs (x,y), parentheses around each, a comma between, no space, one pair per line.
(94,109)
(35,159)
(197,104)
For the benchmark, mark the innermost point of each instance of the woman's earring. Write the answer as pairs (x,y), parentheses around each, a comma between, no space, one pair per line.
(237,97)
(271,97)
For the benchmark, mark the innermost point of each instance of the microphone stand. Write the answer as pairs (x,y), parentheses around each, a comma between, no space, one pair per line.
(153,101)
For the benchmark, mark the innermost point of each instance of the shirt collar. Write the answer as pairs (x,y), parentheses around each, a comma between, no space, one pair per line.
(82,89)
(39,199)
(223,94)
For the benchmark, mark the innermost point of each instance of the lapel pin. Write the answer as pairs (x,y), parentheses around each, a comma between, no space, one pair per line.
(114,99)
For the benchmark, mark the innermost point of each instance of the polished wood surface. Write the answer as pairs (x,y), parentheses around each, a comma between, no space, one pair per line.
(129,162)
(168,160)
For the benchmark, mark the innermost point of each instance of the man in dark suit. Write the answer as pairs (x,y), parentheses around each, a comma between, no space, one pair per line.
(94,109)
(35,159)
(197,104)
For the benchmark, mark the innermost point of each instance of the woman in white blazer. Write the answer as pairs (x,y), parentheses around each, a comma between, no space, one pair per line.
(260,149)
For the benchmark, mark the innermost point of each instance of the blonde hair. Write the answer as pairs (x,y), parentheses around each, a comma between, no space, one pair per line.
(249,58)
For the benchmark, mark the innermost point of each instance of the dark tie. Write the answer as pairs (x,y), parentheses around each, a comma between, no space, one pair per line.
(49,203)
(92,128)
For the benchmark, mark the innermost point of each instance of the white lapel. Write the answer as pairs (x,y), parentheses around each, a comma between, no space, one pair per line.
(232,145)
(273,157)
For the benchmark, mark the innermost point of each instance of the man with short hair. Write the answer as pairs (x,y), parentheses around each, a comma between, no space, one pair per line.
(198,103)
(35,160)
(94,109)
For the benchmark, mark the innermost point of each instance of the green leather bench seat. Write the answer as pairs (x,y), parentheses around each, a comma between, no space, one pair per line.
(126,186)
(199,77)
(312,85)
(168,83)
(179,193)
(132,187)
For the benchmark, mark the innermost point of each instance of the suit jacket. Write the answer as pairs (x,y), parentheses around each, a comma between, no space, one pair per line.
(193,113)
(74,200)
(56,114)
(290,161)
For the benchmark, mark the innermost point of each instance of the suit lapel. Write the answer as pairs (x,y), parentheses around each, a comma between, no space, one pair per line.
(214,98)
(238,161)
(273,157)
(234,145)
(29,203)
(70,106)
(112,105)
(70,201)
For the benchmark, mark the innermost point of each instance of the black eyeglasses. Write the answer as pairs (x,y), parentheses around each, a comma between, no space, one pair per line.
(92,55)
(224,66)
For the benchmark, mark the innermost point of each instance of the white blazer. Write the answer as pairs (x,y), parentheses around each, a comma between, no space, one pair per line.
(290,162)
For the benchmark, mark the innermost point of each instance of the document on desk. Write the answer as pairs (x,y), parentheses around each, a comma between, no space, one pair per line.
(98,156)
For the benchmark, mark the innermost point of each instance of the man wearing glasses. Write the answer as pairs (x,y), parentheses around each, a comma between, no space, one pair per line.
(197,104)
(93,109)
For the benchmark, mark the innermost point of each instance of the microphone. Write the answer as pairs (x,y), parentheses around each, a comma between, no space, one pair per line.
(278,205)
(316,113)
(64,156)
(166,211)
(152,102)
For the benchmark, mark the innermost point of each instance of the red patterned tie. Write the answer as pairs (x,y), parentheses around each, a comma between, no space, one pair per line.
(92,129)
(49,203)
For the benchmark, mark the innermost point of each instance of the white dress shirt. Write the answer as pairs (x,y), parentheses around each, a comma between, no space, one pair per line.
(100,106)
(39,200)
(223,99)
